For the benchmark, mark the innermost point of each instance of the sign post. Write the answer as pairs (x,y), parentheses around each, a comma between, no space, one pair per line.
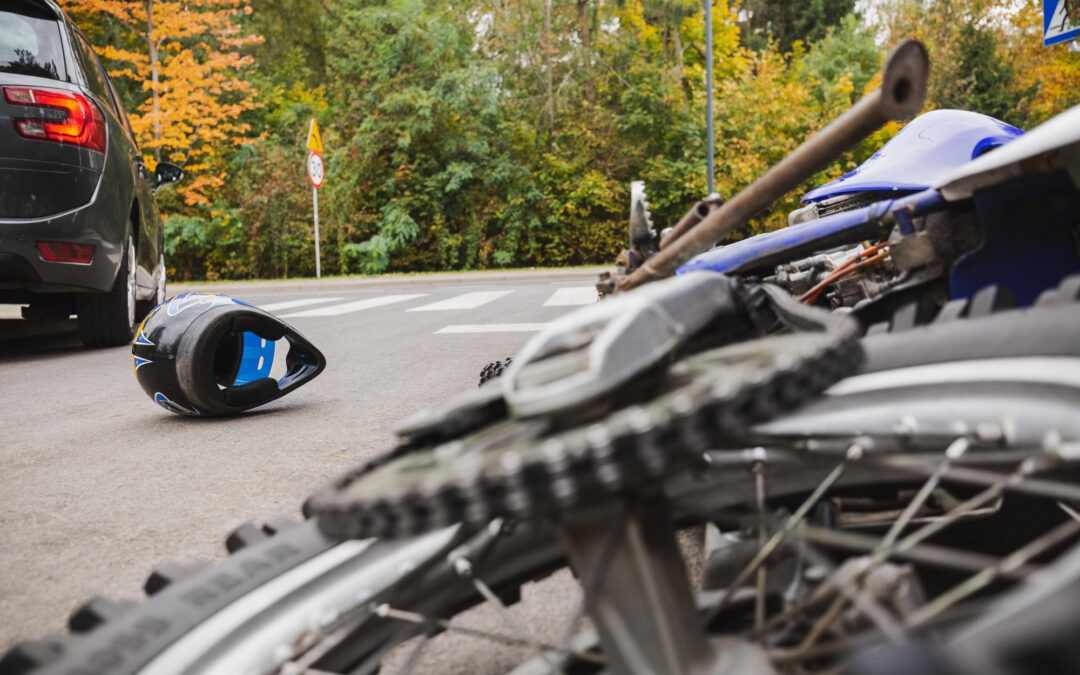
(709,140)
(316,174)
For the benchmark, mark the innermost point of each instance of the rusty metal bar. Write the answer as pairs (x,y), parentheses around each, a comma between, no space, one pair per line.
(902,91)
(695,215)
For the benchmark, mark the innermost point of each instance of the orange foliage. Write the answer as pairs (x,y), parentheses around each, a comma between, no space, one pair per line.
(200,92)
(1054,71)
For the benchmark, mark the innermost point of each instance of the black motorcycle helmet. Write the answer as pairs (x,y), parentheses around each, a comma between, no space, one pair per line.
(208,354)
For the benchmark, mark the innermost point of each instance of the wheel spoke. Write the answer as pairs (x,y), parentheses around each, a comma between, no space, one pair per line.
(414,656)
(854,452)
(386,611)
(907,543)
(929,554)
(464,568)
(1059,534)
(866,603)
(762,579)
(510,620)
(1026,485)
(823,622)
(955,450)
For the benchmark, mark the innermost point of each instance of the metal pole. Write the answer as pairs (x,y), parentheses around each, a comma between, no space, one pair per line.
(315,200)
(709,141)
(902,92)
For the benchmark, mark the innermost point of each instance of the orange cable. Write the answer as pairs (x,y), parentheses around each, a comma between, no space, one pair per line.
(849,266)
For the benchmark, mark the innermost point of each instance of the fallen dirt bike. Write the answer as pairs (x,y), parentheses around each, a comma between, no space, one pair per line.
(900,498)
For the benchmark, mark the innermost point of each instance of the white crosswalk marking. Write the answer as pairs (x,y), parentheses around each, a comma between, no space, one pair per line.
(492,328)
(463,301)
(292,304)
(572,295)
(356,306)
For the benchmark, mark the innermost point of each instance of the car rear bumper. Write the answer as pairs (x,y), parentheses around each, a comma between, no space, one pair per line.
(23,268)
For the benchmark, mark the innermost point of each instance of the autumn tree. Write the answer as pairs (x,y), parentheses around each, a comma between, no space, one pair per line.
(498,133)
(785,22)
(188,61)
(1049,76)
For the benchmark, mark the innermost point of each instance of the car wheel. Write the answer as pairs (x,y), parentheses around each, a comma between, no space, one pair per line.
(159,287)
(143,307)
(108,319)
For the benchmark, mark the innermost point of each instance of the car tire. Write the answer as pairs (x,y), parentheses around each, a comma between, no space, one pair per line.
(108,319)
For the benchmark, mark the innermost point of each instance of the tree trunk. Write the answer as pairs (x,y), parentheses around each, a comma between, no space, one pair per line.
(679,64)
(153,78)
(549,75)
(585,34)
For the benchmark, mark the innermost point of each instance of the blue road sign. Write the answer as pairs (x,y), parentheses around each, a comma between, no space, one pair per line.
(1056,25)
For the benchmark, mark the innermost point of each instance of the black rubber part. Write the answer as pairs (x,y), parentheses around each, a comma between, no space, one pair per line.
(494,370)
(909,316)
(953,310)
(1067,291)
(184,597)
(167,574)
(279,524)
(26,656)
(250,533)
(1049,328)
(97,612)
(103,316)
(991,300)
(246,535)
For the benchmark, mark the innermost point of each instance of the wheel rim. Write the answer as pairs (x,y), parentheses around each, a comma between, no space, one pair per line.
(159,291)
(776,481)
(131,283)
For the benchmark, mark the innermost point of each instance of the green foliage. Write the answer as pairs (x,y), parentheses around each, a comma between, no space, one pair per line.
(441,154)
(847,51)
(985,78)
(785,21)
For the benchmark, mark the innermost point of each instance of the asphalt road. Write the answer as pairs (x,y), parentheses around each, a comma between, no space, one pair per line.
(99,484)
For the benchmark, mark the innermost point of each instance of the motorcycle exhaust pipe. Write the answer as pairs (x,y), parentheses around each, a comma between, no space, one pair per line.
(901,95)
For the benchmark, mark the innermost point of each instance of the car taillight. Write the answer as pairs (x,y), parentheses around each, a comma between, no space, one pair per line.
(83,123)
(66,251)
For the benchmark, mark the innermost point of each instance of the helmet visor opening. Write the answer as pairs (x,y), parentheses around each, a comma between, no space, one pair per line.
(242,358)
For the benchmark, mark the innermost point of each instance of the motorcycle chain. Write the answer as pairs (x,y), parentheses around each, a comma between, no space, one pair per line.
(530,468)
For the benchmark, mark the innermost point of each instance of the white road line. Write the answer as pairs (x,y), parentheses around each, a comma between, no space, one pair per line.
(463,301)
(492,328)
(349,307)
(290,304)
(572,295)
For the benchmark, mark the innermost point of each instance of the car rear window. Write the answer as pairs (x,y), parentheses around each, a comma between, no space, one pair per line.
(30,44)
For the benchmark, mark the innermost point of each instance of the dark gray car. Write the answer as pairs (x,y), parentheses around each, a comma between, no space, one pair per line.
(79,230)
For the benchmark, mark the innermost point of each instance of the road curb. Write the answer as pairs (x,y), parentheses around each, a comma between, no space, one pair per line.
(582,273)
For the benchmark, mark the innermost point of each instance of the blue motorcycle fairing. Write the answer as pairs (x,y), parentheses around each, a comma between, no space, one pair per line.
(796,241)
(1030,227)
(930,147)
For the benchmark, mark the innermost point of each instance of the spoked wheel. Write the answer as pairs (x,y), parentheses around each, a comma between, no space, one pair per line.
(910,505)
(807,573)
